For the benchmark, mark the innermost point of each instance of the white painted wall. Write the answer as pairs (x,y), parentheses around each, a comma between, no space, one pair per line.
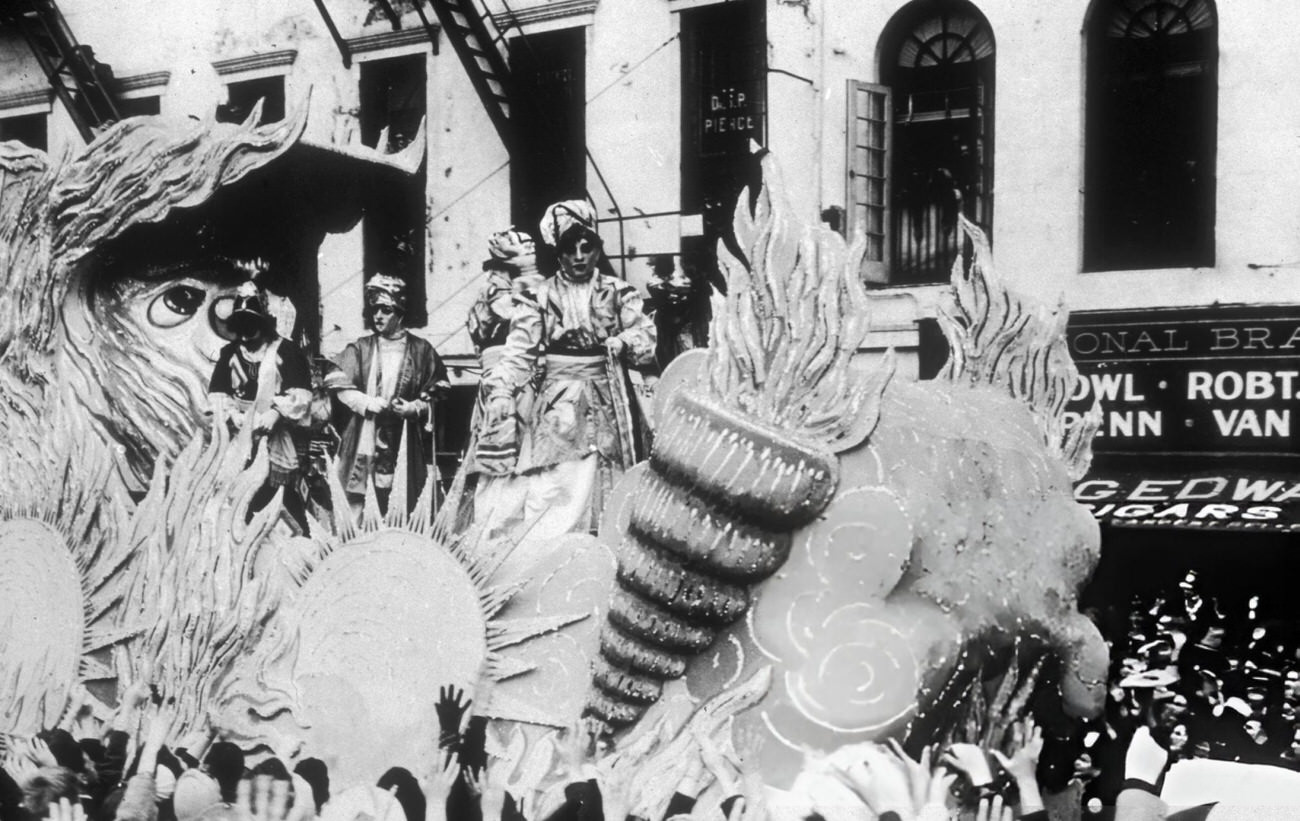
(1039,149)
(815,46)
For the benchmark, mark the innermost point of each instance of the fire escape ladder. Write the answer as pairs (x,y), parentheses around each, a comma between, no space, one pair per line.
(482,52)
(81,82)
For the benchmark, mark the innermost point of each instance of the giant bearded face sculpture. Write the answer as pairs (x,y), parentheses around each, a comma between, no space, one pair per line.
(148,335)
(111,319)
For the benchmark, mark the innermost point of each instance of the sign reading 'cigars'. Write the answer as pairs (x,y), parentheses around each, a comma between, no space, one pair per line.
(1200,416)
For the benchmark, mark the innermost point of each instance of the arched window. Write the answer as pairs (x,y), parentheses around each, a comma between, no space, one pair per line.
(1150,131)
(937,70)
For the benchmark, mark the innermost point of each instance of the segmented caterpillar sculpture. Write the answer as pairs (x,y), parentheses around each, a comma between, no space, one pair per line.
(742,458)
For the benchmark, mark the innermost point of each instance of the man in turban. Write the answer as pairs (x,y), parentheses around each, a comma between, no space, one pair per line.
(570,335)
(389,379)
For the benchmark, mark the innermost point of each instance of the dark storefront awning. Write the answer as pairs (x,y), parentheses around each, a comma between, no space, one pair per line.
(1208,492)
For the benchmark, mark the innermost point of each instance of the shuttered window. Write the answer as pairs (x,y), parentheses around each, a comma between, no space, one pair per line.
(868,182)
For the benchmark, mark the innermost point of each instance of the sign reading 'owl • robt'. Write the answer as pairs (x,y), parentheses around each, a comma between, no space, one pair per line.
(1199,416)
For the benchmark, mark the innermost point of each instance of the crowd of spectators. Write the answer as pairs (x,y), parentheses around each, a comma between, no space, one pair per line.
(1189,681)
(1210,681)
(123,770)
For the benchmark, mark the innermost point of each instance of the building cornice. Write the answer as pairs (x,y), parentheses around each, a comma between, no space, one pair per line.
(393,40)
(255,62)
(27,99)
(683,5)
(578,12)
(136,82)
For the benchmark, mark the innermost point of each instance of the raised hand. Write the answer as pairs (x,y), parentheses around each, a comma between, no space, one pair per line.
(880,781)
(156,723)
(132,698)
(76,705)
(66,811)
(489,786)
(969,760)
(941,782)
(39,753)
(18,761)
(436,784)
(197,741)
(1026,746)
(918,772)
(263,798)
(993,809)
(450,708)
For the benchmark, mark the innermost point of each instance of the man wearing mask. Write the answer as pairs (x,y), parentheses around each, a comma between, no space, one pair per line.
(389,379)
(576,329)
(263,374)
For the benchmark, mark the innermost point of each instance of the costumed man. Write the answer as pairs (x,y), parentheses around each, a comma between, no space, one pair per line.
(570,335)
(390,380)
(278,397)
(511,267)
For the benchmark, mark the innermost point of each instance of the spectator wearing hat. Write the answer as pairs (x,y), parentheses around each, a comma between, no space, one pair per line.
(390,380)
(277,397)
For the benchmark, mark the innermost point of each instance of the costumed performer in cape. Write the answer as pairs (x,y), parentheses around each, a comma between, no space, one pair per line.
(390,380)
(510,268)
(571,336)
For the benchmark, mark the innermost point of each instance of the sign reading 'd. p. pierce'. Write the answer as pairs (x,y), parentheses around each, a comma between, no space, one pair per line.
(732,116)
(1200,416)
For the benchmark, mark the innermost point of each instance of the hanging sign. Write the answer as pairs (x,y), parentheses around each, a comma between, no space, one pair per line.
(1200,416)
(1191,381)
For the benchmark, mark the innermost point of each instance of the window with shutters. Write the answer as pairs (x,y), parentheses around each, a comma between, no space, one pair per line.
(1151,119)
(868,163)
(929,126)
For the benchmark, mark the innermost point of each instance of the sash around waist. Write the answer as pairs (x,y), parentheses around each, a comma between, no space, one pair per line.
(563,366)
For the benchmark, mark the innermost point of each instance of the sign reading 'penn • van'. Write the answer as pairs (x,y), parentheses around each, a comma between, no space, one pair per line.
(1200,416)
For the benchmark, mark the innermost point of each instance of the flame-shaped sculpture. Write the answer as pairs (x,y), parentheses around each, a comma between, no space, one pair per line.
(744,457)
(997,338)
(870,528)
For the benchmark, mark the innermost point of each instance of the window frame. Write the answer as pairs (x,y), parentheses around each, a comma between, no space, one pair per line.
(875,263)
(1094,233)
(980,205)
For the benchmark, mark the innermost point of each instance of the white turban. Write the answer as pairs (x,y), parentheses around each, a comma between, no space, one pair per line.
(563,217)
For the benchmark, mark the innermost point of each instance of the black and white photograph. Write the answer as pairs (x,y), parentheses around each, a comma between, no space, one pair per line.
(649,410)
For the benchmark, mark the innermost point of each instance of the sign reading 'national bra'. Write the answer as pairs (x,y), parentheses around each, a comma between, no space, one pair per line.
(1190,382)
(1200,416)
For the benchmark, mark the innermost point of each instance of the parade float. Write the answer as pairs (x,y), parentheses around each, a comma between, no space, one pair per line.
(807,558)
